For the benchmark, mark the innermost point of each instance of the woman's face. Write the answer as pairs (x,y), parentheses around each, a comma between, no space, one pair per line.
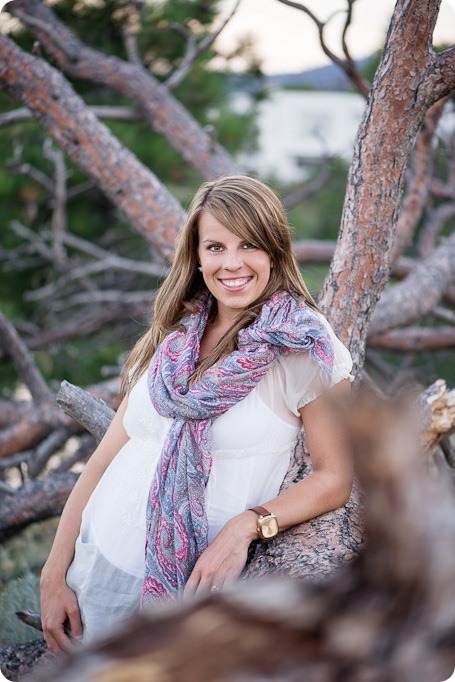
(235,271)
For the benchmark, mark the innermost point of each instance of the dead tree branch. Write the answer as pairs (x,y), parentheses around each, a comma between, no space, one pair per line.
(91,412)
(23,362)
(416,295)
(23,114)
(421,171)
(438,413)
(34,501)
(347,65)
(433,227)
(194,49)
(414,339)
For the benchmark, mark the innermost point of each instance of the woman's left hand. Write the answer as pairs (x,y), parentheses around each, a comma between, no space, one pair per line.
(224,559)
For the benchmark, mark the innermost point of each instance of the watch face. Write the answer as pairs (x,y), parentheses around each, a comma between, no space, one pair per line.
(269,527)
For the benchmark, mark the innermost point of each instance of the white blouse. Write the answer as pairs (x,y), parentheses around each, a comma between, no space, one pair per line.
(251,447)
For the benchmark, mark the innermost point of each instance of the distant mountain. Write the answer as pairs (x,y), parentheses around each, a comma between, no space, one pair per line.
(329,77)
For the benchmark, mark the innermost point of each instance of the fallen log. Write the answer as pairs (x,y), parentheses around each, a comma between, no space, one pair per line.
(34,501)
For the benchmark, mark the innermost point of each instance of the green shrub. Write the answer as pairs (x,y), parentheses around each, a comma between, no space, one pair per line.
(19,594)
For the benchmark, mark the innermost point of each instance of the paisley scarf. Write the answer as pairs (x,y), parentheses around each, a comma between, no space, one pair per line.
(176,521)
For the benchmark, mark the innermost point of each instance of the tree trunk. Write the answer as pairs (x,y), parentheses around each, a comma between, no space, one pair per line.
(409,79)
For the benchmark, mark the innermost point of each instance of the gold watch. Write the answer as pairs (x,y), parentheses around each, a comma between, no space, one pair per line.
(267,523)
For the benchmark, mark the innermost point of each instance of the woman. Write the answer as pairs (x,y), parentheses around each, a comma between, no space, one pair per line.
(237,360)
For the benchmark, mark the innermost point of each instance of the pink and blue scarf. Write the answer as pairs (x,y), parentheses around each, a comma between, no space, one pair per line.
(176,520)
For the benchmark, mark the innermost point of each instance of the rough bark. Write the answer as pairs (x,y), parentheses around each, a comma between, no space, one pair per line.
(158,107)
(146,204)
(382,619)
(409,79)
(93,413)
(419,293)
(17,660)
(34,501)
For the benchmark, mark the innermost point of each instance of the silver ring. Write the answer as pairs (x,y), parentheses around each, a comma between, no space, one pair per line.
(214,588)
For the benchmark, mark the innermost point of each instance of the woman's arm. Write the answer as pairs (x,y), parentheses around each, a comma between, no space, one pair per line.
(58,602)
(326,488)
(330,484)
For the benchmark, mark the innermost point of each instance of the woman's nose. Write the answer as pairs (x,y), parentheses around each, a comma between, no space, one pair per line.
(232,260)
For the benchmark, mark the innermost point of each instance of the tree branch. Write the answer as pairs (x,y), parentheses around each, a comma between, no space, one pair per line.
(101,111)
(145,202)
(414,339)
(444,76)
(157,105)
(416,295)
(347,65)
(421,171)
(34,501)
(194,49)
(23,362)
(91,412)
(433,227)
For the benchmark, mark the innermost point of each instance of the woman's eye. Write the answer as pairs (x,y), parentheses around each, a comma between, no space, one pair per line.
(215,248)
(248,245)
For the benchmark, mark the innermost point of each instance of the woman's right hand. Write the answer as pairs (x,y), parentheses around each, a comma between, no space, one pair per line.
(60,615)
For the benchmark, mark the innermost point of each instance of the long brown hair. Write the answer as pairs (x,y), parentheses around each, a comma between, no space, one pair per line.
(252,211)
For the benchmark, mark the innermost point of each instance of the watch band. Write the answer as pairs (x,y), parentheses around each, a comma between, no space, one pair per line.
(260,511)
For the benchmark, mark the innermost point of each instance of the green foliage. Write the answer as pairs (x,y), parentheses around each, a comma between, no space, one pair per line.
(318,217)
(370,67)
(21,561)
(19,594)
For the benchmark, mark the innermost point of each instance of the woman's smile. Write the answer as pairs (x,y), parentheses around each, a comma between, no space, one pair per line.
(236,284)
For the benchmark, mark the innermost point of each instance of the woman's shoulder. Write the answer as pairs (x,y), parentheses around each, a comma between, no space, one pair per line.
(298,377)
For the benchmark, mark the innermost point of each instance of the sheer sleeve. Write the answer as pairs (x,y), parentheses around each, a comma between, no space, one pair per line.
(301,374)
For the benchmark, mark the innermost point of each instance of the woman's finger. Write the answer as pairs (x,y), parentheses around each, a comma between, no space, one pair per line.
(75,622)
(56,642)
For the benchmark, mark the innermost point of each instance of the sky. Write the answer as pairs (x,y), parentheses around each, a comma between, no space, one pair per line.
(287,41)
